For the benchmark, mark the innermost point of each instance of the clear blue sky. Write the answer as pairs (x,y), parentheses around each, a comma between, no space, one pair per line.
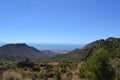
(58,21)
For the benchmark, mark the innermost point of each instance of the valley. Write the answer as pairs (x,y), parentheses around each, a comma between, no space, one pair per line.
(98,60)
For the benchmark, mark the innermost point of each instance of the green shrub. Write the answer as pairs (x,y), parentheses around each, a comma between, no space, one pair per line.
(58,75)
(50,74)
(98,67)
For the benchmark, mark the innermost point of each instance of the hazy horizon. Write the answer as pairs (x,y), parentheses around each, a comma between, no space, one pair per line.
(42,46)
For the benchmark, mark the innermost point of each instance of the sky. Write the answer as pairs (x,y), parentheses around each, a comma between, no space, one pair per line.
(58,21)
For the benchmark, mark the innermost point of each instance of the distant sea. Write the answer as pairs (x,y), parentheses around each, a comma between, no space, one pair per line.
(53,46)
(57,46)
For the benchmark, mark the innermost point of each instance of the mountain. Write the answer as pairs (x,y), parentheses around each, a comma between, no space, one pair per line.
(20,51)
(83,54)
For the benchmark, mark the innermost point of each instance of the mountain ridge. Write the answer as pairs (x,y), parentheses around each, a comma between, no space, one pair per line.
(89,49)
(20,51)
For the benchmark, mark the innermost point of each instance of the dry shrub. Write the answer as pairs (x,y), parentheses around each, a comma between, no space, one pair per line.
(11,75)
(27,79)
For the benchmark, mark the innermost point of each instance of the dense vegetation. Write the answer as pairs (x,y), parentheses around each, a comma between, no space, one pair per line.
(104,64)
(40,71)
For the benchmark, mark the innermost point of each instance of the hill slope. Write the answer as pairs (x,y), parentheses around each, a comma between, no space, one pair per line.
(101,60)
(104,63)
(82,54)
(20,51)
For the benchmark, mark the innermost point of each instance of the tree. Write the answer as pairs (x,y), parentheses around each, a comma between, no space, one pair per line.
(98,67)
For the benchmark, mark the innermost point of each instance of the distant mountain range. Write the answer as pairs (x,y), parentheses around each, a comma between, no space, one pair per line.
(21,51)
(67,47)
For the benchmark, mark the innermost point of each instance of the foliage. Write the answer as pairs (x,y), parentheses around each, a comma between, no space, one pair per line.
(58,74)
(98,67)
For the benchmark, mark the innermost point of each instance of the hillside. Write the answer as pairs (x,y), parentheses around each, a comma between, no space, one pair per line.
(20,52)
(49,52)
(104,63)
(100,60)
(89,49)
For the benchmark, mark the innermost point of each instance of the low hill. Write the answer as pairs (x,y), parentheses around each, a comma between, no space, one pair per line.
(49,52)
(20,52)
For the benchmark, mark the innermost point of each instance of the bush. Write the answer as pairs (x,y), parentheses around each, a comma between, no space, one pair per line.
(58,75)
(50,74)
(11,75)
(36,69)
(98,67)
